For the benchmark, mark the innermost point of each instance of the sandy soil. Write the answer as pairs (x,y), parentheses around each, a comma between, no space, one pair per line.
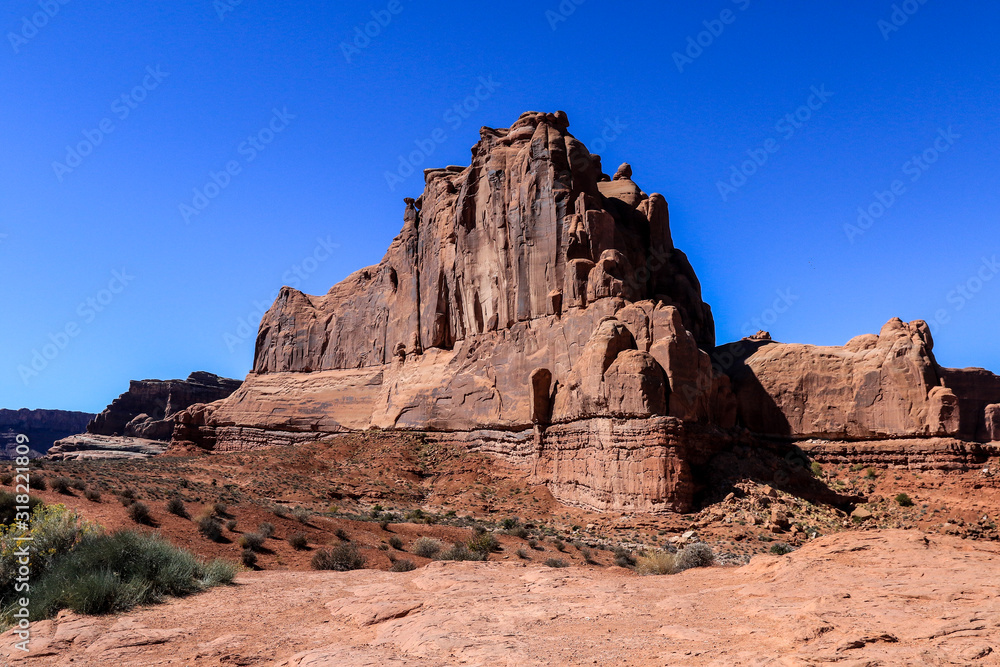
(887,597)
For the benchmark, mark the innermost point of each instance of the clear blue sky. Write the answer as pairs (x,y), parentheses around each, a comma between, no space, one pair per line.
(197,86)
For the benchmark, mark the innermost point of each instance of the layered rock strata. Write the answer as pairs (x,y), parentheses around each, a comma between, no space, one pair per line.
(147,409)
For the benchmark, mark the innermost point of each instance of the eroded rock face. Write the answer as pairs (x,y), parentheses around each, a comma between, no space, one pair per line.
(525,291)
(41,427)
(146,410)
(873,387)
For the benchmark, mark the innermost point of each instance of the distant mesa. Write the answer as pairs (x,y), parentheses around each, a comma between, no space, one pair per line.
(535,308)
(139,423)
(42,428)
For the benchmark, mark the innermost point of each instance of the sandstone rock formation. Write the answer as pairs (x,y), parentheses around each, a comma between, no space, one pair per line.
(535,308)
(42,427)
(88,446)
(875,386)
(525,293)
(146,410)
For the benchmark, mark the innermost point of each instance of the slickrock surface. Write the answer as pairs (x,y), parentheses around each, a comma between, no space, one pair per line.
(86,446)
(871,598)
(146,410)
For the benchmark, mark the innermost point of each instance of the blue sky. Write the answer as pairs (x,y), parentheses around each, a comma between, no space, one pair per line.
(291,122)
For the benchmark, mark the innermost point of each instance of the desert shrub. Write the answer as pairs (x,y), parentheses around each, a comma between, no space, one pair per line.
(588,555)
(780,549)
(280,511)
(54,531)
(210,527)
(39,482)
(6,478)
(523,554)
(252,541)
(340,558)
(556,562)
(533,543)
(484,543)
(559,545)
(8,506)
(221,509)
(657,562)
(427,547)
(249,557)
(176,506)
(112,573)
(301,514)
(92,494)
(695,555)
(870,473)
(342,535)
(396,543)
(623,557)
(403,565)
(139,512)
(461,551)
(62,485)
(385,547)
(510,523)
(817,469)
(298,541)
(127,494)
(904,500)
(231,525)
(266,529)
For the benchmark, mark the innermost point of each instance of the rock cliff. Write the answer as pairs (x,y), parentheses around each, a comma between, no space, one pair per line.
(42,427)
(147,409)
(537,309)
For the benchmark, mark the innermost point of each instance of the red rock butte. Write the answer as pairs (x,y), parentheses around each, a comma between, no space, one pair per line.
(535,308)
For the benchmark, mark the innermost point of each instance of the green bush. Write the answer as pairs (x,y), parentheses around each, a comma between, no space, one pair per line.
(248,557)
(461,551)
(780,549)
(113,573)
(817,469)
(252,541)
(8,506)
(176,506)
(54,530)
(402,565)
(340,558)
(484,543)
(427,547)
(139,512)
(298,541)
(695,555)
(623,557)
(210,527)
(904,500)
